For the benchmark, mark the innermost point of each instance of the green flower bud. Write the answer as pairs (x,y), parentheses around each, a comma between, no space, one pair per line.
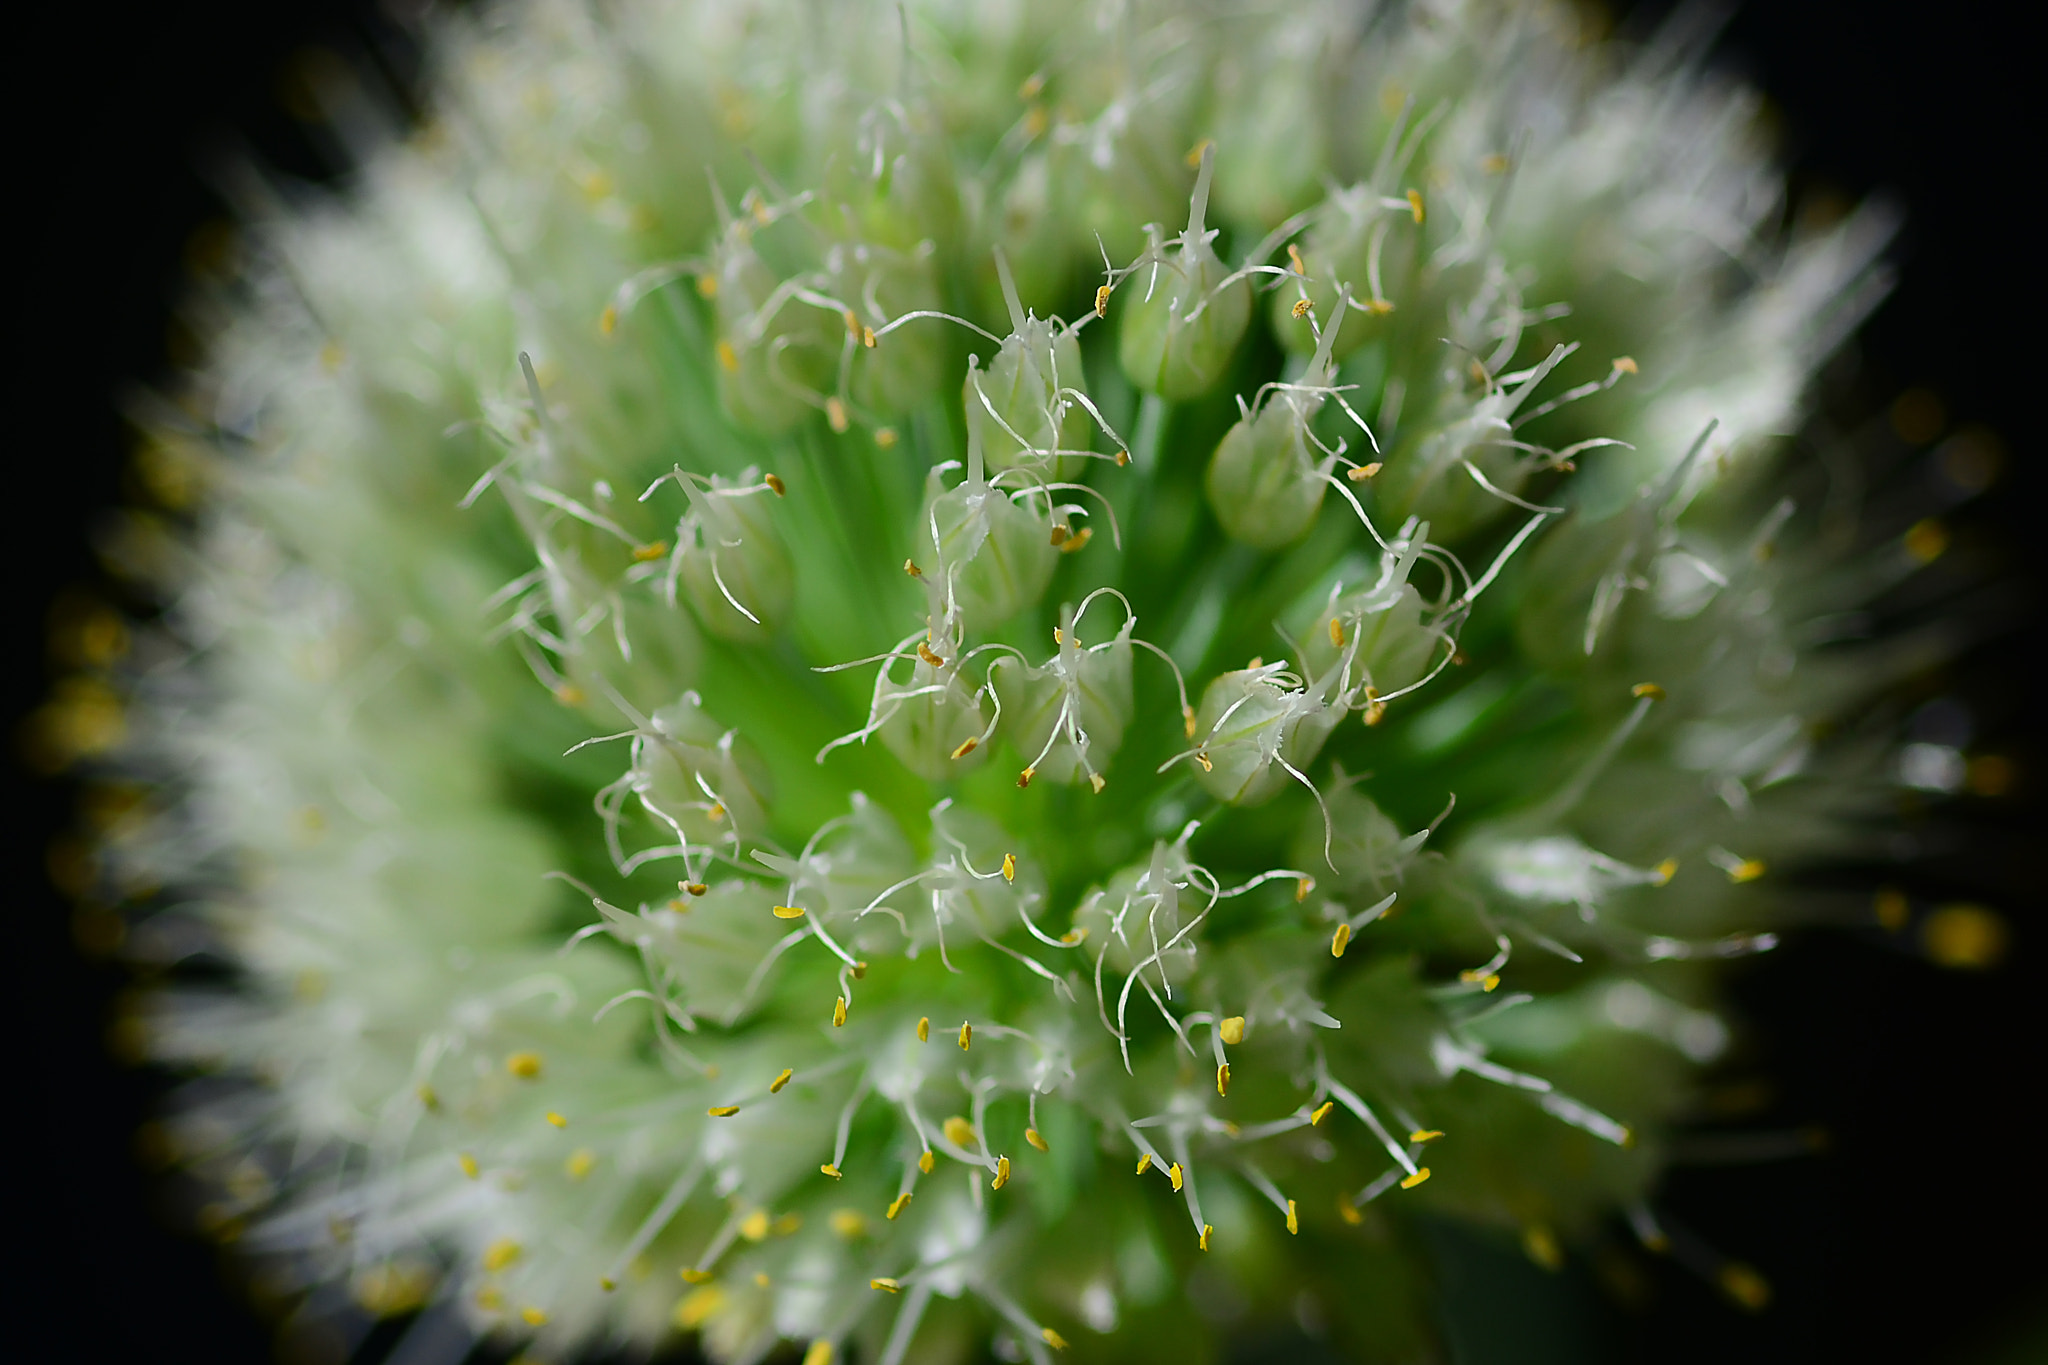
(1146,916)
(985,557)
(1180,332)
(1257,728)
(700,780)
(730,556)
(1360,247)
(1379,638)
(1031,394)
(1067,716)
(778,340)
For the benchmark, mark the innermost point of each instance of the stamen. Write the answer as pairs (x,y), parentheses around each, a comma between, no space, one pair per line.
(966,1036)
(1202,1242)
(1340,940)
(1175,1174)
(651,551)
(469,1166)
(1187,721)
(525,1065)
(883,1282)
(1415,205)
(1002,1177)
(1294,259)
(1102,301)
(1322,1112)
(789,912)
(924,651)
(1009,867)
(728,358)
(1420,1174)
(897,1205)
(1301,308)
(1336,633)
(839,1012)
(829,1169)
(1032,1136)
(820,1353)
(1424,1135)
(775,484)
(958,1131)
(1053,1339)
(885,438)
(608,320)
(722,1111)
(1647,689)
(1231,1030)
(1625,364)
(579,1163)
(535,1317)
(926,1161)
(775,1086)
(1348,1211)
(912,569)
(691,1275)
(501,1253)
(557,1120)
(1144,1162)
(1024,778)
(1223,1080)
(1293,1220)
(1077,541)
(924,1030)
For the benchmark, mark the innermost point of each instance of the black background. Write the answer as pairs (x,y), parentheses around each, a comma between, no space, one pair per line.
(1914,1237)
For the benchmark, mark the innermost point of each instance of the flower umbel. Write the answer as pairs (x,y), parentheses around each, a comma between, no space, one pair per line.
(808,722)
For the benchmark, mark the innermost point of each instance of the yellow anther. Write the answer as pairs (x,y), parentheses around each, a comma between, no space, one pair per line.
(867,337)
(535,1317)
(469,1166)
(1748,870)
(1414,1178)
(429,1098)
(754,1227)
(967,746)
(1009,867)
(1033,83)
(1415,204)
(1424,1135)
(1490,982)
(1294,260)
(524,1065)
(699,1306)
(1002,1176)
(820,1353)
(1302,307)
(557,1120)
(1322,1112)
(1208,764)
(1096,783)
(898,1204)
(1493,163)
(728,358)
(331,356)
(1348,1211)
(490,1300)
(849,1223)
(910,567)
(1194,156)
(1363,472)
(885,1284)
(782,1079)
(1926,540)
(722,1111)
(924,1030)
(839,1012)
(1665,871)
(1187,721)
(608,320)
(1647,689)
(579,1163)
(1222,1080)
(966,1036)
(885,437)
(1058,536)
(1202,1242)
(1036,121)
(1175,1174)
(829,1169)
(924,651)
(1077,541)
(1336,633)
(1123,457)
(761,213)
(1024,778)
(1036,1139)
(652,550)
(1231,1030)
(1625,364)
(835,414)
(775,484)
(692,1275)
(1302,886)
(1379,306)
(788,1223)
(925,1161)
(959,1131)
(789,912)
(1340,940)
(501,1253)
(1078,934)
(716,813)
(707,286)
(1053,1339)
(852,324)
(1144,1162)
(1102,301)
(1375,712)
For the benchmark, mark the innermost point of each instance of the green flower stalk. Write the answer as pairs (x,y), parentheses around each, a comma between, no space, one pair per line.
(803,721)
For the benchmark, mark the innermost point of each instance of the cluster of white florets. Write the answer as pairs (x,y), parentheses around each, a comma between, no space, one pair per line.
(620,505)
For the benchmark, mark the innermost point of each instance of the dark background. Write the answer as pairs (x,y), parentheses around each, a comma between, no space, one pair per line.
(1914,1236)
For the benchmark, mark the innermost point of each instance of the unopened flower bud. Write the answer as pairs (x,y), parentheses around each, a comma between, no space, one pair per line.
(731,559)
(1182,311)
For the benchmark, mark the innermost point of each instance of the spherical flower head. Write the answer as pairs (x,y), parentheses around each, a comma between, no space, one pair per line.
(806,726)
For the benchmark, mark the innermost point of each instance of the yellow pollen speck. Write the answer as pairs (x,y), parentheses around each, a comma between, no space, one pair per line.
(608,320)
(1079,934)
(1231,1030)
(1302,307)
(469,1166)
(722,1111)
(535,1317)
(829,1169)
(1096,783)
(1322,1112)
(1340,940)
(1175,1174)
(1302,886)
(898,1204)
(579,1163)
(1053,1339)
(1144,1162)
(557,1120)
(910,567)
(1491,982)
(428,1098)
(775,484)
(1194,156)
(1036,1139)
(835,414)
(788,1223)
(1926,540)
(1294,260)
(924,1030)
(1223,1080)
(867,337)
(1415,204)
(839,1012)
(1748,870)
(1420,1174)
(501,1253)
(959,1131)
(1009,867)
(1058,536)
(1424,1135)
(652,550)
(1665,871)
(1348,1211)
(1293,1219)
(1202,1242)
(789,912)
(1102,301)
(728,358)
(692,1275)
(885,437)
(1363,472)
(886,1285)
(716,813)
(569,694)
(775,1086)
(524,1065)
(925,1161)
(1077,541)
(1625,364)
(707,286)
(820,1353)
(966,1036)
(1002,1176)
(754,1227)
(1380,306)
(849,1223)
(967,746)
(1647,689)
(1336,633)
(924,652)
(699,1306)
